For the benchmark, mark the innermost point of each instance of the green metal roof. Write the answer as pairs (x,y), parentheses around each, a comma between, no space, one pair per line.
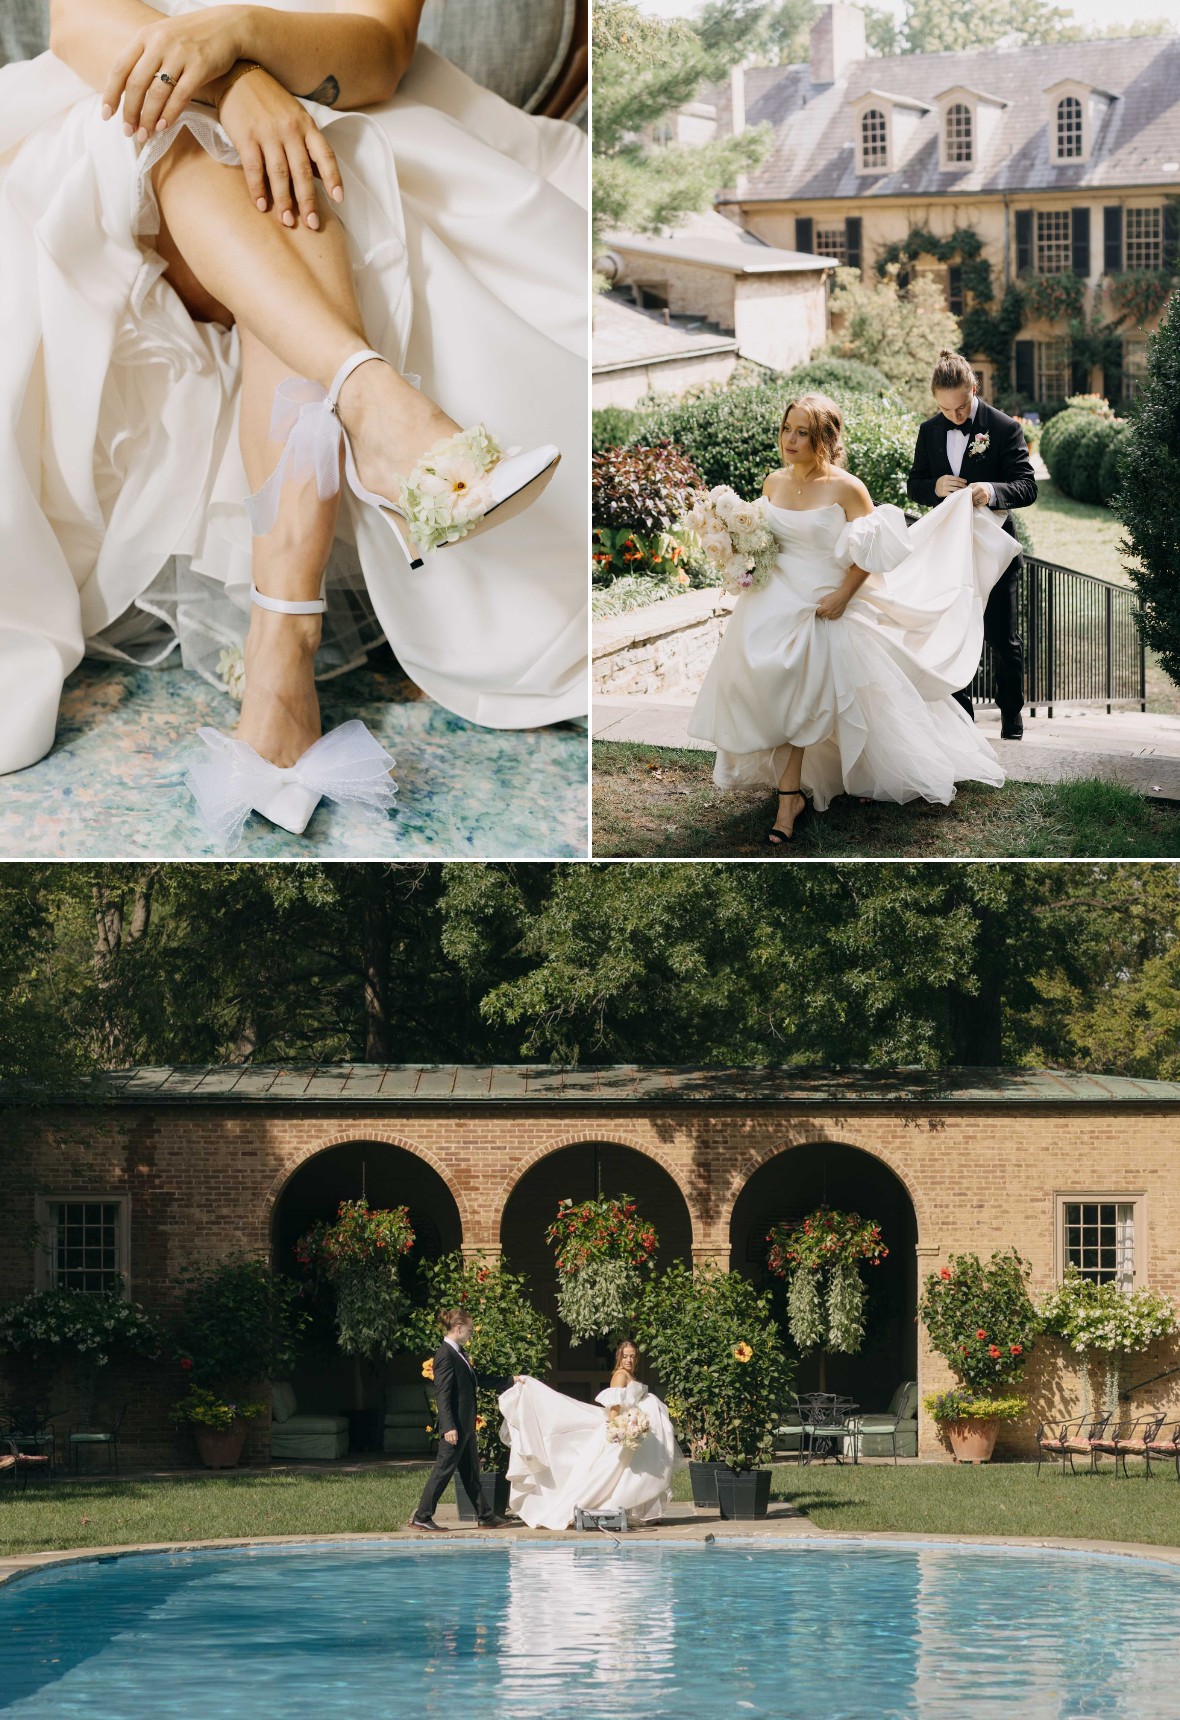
(588,1085)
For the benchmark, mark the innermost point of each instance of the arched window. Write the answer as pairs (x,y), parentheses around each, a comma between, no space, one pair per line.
(874,139)
(958,132)
(1069,128)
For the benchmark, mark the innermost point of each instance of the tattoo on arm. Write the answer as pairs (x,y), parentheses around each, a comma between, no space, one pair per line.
(328,92)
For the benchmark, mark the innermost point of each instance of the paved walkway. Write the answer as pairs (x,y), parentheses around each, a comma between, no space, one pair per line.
(1137,749)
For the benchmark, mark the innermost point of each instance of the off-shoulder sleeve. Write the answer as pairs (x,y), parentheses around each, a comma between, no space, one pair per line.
(878,542)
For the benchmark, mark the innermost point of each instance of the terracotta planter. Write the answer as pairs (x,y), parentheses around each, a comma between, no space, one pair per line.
(704,1483)
(972,1441)
(742,1494)
(221,1447)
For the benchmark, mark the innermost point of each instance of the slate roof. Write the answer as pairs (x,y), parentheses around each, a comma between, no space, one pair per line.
(813,155)
(625,336)
(414,1085)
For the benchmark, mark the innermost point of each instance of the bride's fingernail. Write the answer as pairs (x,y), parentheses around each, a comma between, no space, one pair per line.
(128,131)
(313,221)
(107,110)
(161,125)
(141,134)
(262,204)
(288,218)
(338,194)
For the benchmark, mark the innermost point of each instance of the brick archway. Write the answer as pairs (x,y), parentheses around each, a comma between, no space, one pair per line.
(613,1138)
(752,1162)
(363,1137)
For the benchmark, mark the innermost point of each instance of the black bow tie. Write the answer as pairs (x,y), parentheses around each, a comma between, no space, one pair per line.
(964,428)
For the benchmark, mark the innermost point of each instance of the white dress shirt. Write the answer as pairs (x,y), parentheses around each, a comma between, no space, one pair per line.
(956,450)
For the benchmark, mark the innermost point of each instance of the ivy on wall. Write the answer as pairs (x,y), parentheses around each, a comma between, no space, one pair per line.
(982,328)
(1140,293)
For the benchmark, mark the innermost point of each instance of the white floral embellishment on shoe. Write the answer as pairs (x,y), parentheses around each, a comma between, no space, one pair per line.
(981,444)
(231,668)
(447,492)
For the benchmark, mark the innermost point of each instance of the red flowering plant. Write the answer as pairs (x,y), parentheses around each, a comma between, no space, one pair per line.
(604,1250)
(821,1257)
(982,1321)
(358,1257)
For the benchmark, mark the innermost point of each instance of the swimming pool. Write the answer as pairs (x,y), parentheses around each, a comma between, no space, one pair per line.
(488,1631)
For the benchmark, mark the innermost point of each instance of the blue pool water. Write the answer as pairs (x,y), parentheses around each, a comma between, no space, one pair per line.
(550,1632)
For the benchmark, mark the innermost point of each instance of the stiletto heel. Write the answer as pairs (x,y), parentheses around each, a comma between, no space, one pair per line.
(779,838)
(231,780)
(463,485)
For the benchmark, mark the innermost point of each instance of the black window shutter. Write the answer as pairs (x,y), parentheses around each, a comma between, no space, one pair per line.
(1171,234)
(852,240)
(804,233)
(1080,226)
(954,290)
(1079,378)
(1112,238)
(1024,224)
(1026,368)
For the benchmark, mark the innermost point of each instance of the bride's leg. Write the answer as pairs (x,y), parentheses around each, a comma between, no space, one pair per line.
(272,281)
(280,711)
(790,799)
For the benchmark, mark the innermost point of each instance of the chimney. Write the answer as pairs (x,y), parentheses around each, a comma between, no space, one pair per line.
(837,41)
(737,99)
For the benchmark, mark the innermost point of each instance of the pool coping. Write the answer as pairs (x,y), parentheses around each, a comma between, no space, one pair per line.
(704,1529)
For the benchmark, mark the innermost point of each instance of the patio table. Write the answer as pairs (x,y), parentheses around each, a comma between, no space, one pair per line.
(825,1417)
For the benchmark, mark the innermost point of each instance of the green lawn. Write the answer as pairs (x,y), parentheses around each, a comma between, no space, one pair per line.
(659,802)
(927,1499)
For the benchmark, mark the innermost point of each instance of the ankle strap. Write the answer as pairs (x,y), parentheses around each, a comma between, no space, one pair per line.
(280,605)
(346,370)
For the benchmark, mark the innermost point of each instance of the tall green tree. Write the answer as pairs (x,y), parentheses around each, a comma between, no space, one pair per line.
(1149,465)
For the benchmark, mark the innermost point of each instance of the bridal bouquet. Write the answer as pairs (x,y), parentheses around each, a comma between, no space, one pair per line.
(627,1426)
(733,536)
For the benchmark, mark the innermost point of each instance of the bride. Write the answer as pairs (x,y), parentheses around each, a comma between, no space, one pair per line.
(219,278)
(565,1454)
(837,675)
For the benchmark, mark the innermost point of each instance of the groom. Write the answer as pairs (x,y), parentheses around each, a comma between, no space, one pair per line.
(455,1386)
(969,443)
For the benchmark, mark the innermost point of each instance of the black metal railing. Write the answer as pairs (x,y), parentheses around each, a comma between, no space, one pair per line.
(1081,644)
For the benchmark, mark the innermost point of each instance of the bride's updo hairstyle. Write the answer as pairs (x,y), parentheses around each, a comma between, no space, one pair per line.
(825,428)
(627,1344)
(951,371)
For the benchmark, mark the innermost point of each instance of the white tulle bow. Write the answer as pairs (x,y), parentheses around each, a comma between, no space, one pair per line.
(229,779)
(303,420)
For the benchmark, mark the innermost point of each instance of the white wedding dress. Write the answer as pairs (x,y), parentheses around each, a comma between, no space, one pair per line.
(561,1459)
(868,696)
(121,484)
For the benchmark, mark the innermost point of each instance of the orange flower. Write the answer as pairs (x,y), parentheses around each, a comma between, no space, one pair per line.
(981,1334)
(742,1352)
(993,1351)
(479,1423)
(1017,1349)
(428,1369)
(945,1273)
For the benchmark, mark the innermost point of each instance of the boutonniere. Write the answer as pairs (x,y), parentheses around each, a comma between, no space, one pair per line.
(981,444)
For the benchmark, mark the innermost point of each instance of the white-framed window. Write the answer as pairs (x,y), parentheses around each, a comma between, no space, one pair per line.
(1134,367)
(1097,1235)
(832,242)
(1053,369)
(1143,239)
(874,140)
(84,1242)
(1053,251)
(958,133)
(1068,125)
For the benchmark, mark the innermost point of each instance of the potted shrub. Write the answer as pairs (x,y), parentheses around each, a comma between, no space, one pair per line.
(237,1328)
(1101,1318)
(982,1322)
(821,1259)
(219,1426)
(604,1253)
(717,1348)
(358,1257)
(80,1329)
(510,1337)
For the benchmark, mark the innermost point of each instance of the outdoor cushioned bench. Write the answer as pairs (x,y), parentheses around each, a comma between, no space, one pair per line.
(895,1433)
(408,1413)
(301,1438)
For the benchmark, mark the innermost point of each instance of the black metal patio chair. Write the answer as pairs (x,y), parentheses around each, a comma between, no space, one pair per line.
(89,1439)
(30,1427)
(1165,1445)
(825,1424)
(1127,1436)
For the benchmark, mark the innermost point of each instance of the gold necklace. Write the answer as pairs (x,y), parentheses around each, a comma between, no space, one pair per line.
(799,488)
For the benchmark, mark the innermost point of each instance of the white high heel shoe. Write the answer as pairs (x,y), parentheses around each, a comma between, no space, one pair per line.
(231,780)
(460,487)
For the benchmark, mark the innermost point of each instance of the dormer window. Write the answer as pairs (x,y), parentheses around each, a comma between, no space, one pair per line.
(874,141)
(1070,132)
(958,134)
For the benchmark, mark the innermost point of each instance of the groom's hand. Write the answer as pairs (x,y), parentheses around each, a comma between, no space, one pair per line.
(980,496)
(451,1438)
(948,484)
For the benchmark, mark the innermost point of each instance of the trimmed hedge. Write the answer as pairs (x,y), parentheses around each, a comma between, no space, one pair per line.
(614,427)
(1075,447)
(732,438)
(1110,474)
(838,377)
(1146,501)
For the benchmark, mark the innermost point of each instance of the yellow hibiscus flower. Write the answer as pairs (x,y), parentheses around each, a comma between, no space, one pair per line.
(428,1369)
(743,1352)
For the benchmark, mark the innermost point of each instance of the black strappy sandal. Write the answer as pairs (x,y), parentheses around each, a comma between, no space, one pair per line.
(779,838)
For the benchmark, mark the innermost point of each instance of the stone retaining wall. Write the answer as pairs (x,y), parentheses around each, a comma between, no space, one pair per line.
(664,648)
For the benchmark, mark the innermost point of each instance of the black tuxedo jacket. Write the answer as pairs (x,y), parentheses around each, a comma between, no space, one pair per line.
(455,1385)
(1004,463)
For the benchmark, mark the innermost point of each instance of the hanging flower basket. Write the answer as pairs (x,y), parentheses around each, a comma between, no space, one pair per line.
(821,1257)
(604,1251)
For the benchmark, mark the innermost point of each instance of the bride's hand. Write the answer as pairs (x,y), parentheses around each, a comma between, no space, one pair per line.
(191,50)
(280,146)
(832,607)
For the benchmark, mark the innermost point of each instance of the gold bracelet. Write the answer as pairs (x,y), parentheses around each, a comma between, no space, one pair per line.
(236,72)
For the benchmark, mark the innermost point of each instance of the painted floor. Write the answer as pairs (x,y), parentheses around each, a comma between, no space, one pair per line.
(113,787)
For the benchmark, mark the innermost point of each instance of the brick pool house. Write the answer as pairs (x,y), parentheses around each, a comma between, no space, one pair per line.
(149,1171)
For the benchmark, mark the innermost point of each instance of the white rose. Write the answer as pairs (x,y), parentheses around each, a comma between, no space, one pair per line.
(743,518)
